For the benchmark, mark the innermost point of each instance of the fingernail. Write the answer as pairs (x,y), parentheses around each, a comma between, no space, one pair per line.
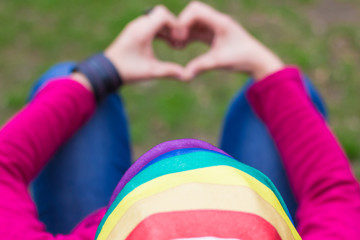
(176,33)
(181,34)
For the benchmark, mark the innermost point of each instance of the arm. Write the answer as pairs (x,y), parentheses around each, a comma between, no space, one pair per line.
(33,135)
(27,141)
(318,170)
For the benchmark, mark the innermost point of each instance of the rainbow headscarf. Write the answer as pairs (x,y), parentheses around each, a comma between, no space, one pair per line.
(188,189)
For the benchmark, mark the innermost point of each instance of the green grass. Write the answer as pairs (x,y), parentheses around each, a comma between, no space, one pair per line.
(36,34)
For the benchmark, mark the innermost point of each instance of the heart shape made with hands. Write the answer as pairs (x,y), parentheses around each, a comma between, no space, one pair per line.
(231,46)
(132,52)
(197,22)
(179,39)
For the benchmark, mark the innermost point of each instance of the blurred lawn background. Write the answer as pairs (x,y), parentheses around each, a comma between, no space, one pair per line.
(321,36)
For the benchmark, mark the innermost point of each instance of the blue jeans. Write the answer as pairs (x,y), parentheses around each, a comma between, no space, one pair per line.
(246,138)
(82,175)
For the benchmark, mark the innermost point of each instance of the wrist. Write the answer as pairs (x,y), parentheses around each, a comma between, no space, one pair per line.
(115,58)
(82,79)
(269,65)
(100,73)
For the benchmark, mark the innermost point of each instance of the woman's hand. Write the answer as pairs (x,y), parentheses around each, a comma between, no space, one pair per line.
(232,47)
(132,53)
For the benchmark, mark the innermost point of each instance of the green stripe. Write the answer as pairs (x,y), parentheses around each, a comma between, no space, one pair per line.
(186,162)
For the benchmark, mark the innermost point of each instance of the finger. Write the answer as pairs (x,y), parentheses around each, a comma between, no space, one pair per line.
(201,32)
(159,19)
(167,69)
(165,35)
(200,64)
(197,12)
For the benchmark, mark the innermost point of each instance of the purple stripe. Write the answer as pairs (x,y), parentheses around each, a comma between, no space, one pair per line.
(155,152)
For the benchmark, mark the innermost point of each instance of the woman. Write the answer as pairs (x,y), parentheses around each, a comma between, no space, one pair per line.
(203,191)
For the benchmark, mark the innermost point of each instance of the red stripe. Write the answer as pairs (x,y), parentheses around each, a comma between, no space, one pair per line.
(201,223)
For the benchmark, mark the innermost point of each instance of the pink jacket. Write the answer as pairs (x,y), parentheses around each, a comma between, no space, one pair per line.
(319,172)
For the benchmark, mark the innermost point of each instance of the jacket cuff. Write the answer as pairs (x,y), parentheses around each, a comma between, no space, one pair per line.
(257,93)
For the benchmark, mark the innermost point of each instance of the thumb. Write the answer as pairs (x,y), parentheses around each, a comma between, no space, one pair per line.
(202,63)
(167,69)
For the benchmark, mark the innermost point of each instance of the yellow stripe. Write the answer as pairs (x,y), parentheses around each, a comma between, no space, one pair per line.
(217,175)
(200,196)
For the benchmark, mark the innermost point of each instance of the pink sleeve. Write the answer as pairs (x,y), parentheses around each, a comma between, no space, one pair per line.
(27,142)
(318,170)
